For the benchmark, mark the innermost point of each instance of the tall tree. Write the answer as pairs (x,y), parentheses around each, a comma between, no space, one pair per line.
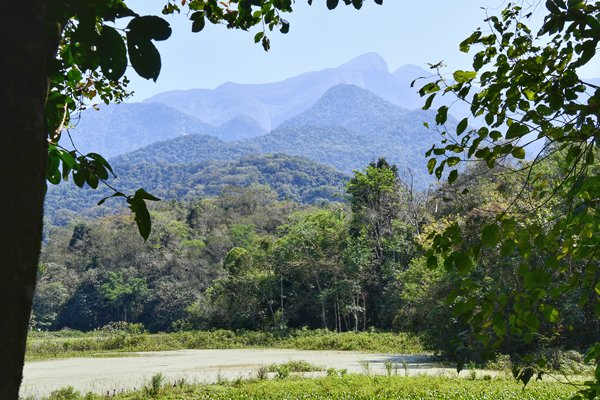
(25,48)
(375,200)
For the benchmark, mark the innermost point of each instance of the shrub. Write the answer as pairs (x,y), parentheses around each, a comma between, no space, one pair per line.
(66,393)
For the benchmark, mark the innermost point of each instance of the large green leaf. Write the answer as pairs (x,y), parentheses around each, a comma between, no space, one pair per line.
(144,57)
(150,27)
(112,53)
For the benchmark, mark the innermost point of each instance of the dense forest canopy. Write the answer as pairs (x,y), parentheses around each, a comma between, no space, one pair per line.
(246,260)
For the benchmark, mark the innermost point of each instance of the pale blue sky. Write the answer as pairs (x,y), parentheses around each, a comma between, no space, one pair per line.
(401,31)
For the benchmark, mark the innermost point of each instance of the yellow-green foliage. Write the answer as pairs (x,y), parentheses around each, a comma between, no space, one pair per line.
(70,344)
(355,387)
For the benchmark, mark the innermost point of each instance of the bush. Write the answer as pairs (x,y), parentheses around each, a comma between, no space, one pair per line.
(124,327)
(155,386)
(66,393)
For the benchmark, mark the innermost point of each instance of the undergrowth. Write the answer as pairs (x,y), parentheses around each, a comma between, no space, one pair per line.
(47,345)
(346,387)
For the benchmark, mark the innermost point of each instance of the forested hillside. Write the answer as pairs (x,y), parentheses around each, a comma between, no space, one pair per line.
(350,127)
(346,129)
(289,177)
(189,149)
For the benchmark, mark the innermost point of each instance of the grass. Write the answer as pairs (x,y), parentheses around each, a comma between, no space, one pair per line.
(345,387)
(49,345)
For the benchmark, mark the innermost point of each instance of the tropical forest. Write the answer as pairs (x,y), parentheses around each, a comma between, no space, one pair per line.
(352,231)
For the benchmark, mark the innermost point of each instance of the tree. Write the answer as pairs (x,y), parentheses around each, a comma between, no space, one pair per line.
(309,257)
(375,201)
(525,88)
(124,294)
(56,55)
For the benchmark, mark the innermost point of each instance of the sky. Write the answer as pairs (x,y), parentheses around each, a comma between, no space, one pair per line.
(401,31)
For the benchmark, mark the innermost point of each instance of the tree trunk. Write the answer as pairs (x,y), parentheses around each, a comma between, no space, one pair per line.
(23,166)
(323,314)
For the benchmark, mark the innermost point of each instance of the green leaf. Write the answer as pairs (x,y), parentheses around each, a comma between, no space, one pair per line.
(92,181)
(432,262)
(68,159)
(266,43)
(529,94)
(464,76)
(452,161)
(137,204)
(431,165)
(285,26)
(452,176)
(429,101)
(357,4)
(516,130)
(518,152)
(141,216)
(462,262)
(144,57)
(198,21)
(442,115)
(79,177)
(149,27)
(462,125)
(142,194)
(490,235)
(331,4)
(112,53)
(525,375)
(549,312)
(116,194)
(101,161)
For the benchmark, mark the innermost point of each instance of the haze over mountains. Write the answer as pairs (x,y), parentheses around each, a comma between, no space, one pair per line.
(273,103)
(193,143)
(236,111)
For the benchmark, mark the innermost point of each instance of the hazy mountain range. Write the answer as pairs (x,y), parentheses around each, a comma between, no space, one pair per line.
(273,103)
(182,144)
(346,129)
(236,111)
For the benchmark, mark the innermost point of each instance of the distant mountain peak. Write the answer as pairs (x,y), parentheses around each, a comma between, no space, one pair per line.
(367,61)
(348,106)
(345,91)
(353,98)
(409,72)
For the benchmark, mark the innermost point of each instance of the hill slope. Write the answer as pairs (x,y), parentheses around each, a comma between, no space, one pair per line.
(189,149)
(350,127)
(122,128)
(292,178)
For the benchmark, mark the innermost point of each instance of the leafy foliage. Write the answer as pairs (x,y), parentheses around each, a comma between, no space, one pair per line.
(292,178)
(360,387)
(61,344)
(529,90)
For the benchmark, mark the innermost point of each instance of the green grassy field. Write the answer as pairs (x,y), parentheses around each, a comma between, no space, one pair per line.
(48,345)
(349,387)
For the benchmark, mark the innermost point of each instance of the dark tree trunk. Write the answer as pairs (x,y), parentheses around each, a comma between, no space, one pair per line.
(22,168)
